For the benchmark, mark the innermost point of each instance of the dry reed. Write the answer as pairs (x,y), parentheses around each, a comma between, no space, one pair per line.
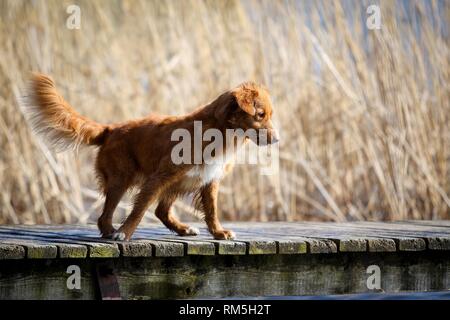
(363,114)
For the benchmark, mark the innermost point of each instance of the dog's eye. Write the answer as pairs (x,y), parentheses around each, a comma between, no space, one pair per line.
(261,114)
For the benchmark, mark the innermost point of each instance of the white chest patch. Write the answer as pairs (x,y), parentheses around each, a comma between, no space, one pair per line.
(210,170)
(206,173)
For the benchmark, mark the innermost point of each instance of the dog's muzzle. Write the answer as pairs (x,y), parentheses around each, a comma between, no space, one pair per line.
(265,137)
(275,137)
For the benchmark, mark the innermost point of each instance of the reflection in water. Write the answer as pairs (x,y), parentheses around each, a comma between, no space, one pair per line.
(443,295)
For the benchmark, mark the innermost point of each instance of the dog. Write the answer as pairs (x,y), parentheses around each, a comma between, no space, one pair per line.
(138,153)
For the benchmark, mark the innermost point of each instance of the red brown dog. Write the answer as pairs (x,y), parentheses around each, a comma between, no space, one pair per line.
(138,153)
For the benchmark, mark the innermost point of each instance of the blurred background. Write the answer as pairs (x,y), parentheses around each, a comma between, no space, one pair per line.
(363,113)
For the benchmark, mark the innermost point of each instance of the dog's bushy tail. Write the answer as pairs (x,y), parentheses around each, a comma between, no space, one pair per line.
(53,118)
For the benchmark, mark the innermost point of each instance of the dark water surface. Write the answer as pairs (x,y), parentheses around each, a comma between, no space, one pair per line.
(441,295)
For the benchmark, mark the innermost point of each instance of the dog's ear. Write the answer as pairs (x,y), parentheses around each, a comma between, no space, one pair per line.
(242,97)
(225,104)
(245,96)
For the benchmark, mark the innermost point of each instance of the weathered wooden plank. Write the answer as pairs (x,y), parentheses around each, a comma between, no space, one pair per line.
(411,244)
(326,243)
(380,239)
(138,248)
(436,233)
(43,245)
(11,251)
(255,243)
(292,246)
(253,238)
(403,235)
(436,223)
(317,240)
(261,247)
(103,250)
(70,250)
(396,228)
(41,251)
(166,248)
(53,235)
(193,246)
(227,247)
(303,244)
(200,248)
(287,231)
(346,241)
(353,245)
(231,247)
(276,233)
(35,249)
(403,243)
(381,245)
(373,230)
(439,243)
(321,246)
(252,245)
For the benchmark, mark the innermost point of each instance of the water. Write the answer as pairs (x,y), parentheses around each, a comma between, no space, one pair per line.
(441,295)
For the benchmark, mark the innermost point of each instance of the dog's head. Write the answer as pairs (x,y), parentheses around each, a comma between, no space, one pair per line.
(248,107)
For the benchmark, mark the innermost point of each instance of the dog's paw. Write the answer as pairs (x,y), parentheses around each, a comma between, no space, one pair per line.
(106,232)
(118,236)
(224,235)
(190,231)
(106,235)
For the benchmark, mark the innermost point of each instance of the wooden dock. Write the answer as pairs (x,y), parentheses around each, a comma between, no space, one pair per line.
(266,259)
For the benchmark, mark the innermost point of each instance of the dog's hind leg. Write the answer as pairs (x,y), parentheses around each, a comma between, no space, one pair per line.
(163,212)
(150,191)
(113,195)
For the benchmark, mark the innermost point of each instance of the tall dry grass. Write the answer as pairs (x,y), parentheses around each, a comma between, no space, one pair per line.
(364,115)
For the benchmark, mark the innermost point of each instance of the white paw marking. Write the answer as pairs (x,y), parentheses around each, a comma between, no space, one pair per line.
(232,235)
(192,231)
(118,236)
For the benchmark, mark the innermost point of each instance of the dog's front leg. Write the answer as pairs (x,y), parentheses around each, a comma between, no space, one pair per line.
(209,205)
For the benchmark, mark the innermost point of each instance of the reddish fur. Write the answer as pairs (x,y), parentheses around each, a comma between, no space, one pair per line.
(138,152)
